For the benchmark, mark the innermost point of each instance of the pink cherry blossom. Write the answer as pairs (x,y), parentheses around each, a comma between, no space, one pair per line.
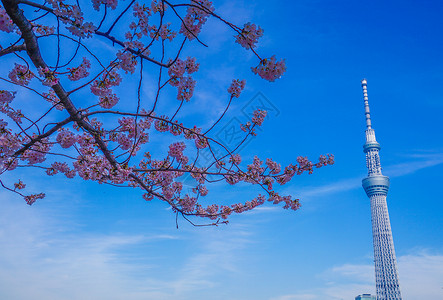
(101,87)
(109,3)
(15,115)
(6,23)
(201,142)
(177,69)
(108,100)
(6,97)
(43,29)
(195,18)
(140,11)
(124,141)
(61,167)
(37,153)
(81,71)
(186,88)
(165,32)
(191,65)
(259,116)
(49,78)
(157,6)
(236,87)
(52,98)
(66,138)
(249,36)
(20,74)
(19,185)
(203,190)
(127,61)
(270,69)
(235,159)
(161,126)
(84,30)
(32,198)
(176,150)
(274,168)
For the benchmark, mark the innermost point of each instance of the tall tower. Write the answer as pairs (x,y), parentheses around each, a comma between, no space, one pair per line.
(376,187)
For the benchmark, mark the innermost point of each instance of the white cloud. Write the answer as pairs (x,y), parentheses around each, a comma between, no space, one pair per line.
(296,297)
(397,170)
(426,161)
(420,273)
(41,259)
(335,187)
(421,276)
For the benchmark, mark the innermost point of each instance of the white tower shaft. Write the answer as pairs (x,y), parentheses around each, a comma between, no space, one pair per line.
(376,187)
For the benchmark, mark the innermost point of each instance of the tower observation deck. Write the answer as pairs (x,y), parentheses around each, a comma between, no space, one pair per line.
(376,187)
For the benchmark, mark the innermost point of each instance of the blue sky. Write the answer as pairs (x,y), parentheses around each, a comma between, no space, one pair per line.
(88,241)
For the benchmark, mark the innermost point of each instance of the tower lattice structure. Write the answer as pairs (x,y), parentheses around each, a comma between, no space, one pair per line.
(376,187)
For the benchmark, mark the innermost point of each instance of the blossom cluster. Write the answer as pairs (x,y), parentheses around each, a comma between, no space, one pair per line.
(61,167)
(131,134)
(48,75)
(109,3)
(108,100)
(142,28)
(20,74)
(236,87)
(259,116)
(34,197)
(6,23)
(164,32)
(249,36)
(37,153)
(52,98)
(180,67)
(176,151)
(9,143)
(274,168)
(6,97)
(270,69)
(127,61)
(66,138)
(81,71)
(235,159)
(43,29)
(73,17)
(325,160)
(140,11)
(185,84)
(102,88)
(19,185)
(162,124)
(196,16)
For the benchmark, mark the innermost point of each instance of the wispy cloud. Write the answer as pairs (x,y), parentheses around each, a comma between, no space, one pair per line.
(296,297)
(425,161)
(40,258)
(335,187)
(421,161)
(421,277)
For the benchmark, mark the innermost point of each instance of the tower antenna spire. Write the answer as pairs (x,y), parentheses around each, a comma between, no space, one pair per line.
(364,85)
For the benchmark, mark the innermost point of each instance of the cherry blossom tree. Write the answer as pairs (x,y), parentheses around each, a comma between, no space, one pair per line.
(105,135)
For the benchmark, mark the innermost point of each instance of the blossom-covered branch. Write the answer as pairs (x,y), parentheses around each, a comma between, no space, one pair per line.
(90,125)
